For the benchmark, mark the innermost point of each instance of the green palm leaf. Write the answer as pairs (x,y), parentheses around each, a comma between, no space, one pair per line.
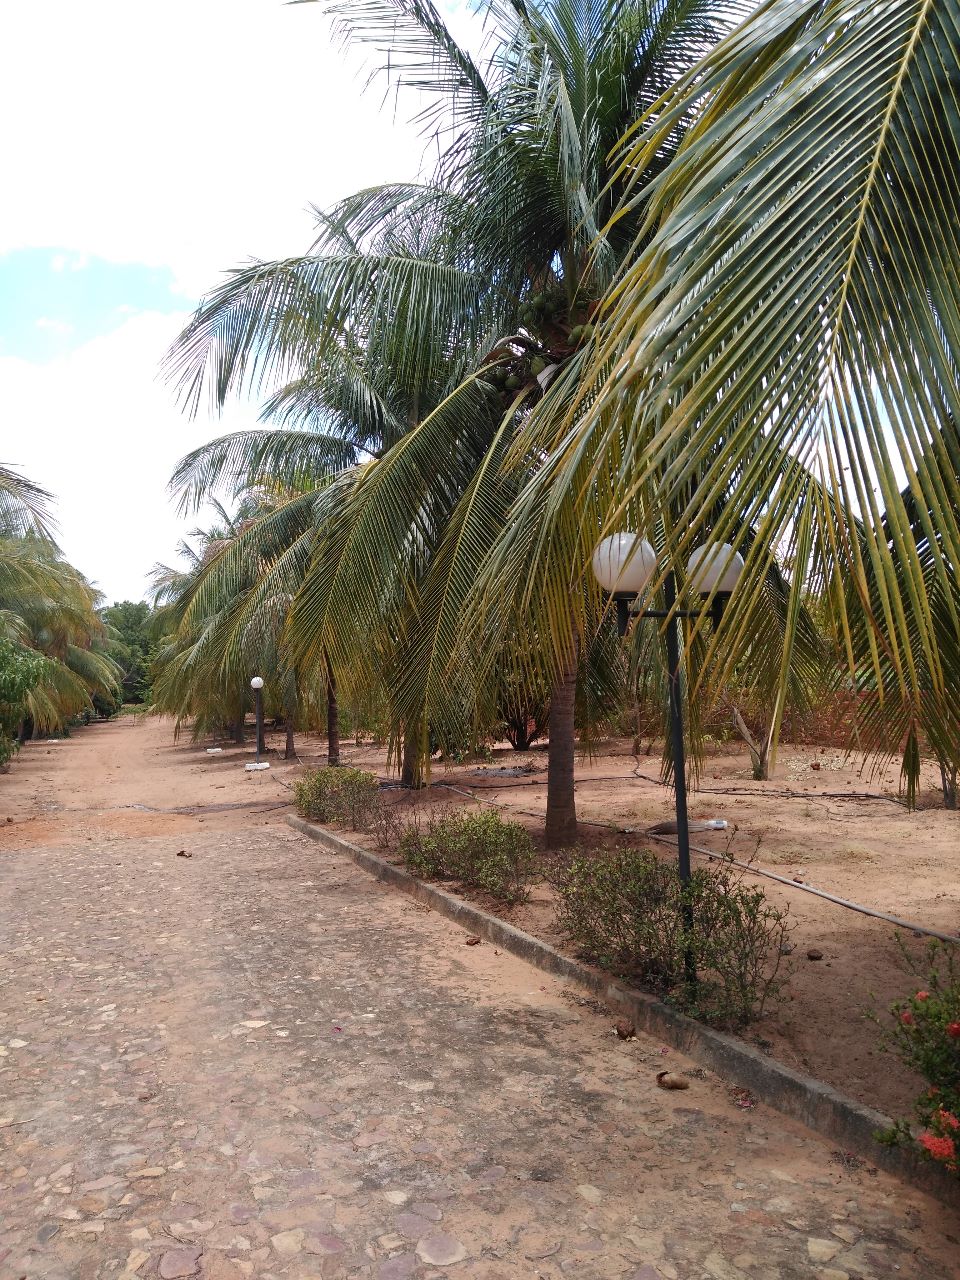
(790,312)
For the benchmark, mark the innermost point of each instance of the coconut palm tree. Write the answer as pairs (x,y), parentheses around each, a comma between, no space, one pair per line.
(49,627)
(491,269)
(889,722)
(778,351)
(225,618)
(49,608)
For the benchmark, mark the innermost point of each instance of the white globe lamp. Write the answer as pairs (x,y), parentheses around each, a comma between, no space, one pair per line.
(624,562)
(714,567)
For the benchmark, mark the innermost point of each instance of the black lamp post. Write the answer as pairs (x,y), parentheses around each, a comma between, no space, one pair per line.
(623,564)
(256,684)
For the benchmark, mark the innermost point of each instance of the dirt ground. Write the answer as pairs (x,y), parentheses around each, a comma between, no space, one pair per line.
(872,851)
(225,1052)
(807,823)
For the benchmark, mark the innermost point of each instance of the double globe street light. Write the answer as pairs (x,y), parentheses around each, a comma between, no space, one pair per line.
(623,564)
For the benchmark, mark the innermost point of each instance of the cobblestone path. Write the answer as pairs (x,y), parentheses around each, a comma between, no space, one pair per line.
(255,1061)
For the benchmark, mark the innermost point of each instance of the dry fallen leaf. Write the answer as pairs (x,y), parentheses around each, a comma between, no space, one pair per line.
(473,942)
(667,1080)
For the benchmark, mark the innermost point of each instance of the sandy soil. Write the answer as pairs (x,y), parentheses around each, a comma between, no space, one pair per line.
(872,851)
(129,778)
(807,823)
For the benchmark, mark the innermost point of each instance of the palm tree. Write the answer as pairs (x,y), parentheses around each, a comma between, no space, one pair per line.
(49,626)
(482,283)
(48,607)
(24,506)
(778,353)
(889,722)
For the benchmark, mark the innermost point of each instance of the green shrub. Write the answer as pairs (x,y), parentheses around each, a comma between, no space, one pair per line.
(623,910)
(926,1037)
(347,796)
(480,850)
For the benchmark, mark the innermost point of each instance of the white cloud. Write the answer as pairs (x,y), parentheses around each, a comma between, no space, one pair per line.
(99,430)
(192,134)
(52,325)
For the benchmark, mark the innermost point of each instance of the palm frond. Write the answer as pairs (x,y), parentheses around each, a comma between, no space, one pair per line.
(24,506)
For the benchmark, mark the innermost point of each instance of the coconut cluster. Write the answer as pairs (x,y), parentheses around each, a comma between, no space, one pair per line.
(545,317)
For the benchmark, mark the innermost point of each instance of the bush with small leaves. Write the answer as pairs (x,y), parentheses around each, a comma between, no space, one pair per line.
(350,797)
(480,850)
(925,1035)
(626,911)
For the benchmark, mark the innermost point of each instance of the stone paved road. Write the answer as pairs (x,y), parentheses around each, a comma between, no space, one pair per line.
(255,1061)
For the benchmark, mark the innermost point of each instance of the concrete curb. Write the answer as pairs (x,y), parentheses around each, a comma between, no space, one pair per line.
(818,1106)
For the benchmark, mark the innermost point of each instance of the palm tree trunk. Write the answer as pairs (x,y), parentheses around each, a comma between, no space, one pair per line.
(333,720)
(561,825)
(236,731)
(289,750)
(411,769)
(759,752)
(948,781)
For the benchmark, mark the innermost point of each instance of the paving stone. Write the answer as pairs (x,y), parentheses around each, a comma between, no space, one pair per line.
(720,1268)
(396,1196)
(541,1147)
(412,1225)
(822,1250)
(178,1263)
(323,1244)
(401,1267)
(288,1243)
(846,1233)
(441,1250)
(432,1212)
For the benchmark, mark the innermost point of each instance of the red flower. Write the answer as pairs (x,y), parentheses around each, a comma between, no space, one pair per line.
(948,1120)
(922,995)
(953,1029)
(939,1148)
(907,1019)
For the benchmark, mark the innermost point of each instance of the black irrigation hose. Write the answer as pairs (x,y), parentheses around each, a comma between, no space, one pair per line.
(780,791)
(809,888)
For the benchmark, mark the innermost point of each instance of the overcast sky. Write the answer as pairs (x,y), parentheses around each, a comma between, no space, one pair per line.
(147,149)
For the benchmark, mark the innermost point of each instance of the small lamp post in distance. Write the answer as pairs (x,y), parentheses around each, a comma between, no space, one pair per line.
(623,564)
(256,684)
